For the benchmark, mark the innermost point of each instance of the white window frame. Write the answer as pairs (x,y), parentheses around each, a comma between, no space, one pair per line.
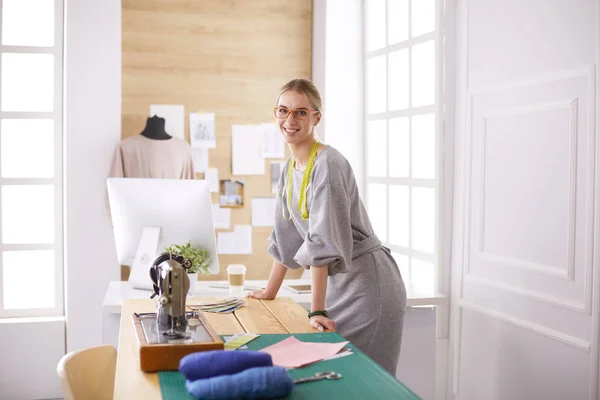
(437,258)
(57,181)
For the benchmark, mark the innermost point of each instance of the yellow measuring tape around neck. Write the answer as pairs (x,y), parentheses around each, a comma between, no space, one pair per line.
(302,201)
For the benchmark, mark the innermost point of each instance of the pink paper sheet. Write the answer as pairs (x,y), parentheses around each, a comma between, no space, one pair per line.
(293,353)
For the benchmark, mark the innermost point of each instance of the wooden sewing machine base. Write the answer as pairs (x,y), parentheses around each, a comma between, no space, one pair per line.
(160,353)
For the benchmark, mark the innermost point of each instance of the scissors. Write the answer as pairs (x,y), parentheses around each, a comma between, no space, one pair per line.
(318,376)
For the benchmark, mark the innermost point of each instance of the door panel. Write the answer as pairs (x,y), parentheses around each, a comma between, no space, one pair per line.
(490,345)
(523,321)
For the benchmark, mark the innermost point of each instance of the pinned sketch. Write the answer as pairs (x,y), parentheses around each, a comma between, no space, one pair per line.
(245,150)
(237,242)
(276,170)
(174,116)
(263,211)
(212,176)
(273,145)
(231,194)
(200,160)
(202,131)
(221,217)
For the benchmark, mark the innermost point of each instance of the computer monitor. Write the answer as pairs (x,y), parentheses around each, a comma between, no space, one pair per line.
(150,214)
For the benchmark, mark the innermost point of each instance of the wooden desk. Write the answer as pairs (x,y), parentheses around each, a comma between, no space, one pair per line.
(281,315)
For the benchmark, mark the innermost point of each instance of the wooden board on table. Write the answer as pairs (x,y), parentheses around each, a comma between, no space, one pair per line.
(224,324)
(290,314)
(256,318)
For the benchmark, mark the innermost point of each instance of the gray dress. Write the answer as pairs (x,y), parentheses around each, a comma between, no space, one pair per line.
(366,296)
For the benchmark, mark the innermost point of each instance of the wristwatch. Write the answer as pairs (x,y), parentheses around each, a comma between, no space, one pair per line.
(324,313)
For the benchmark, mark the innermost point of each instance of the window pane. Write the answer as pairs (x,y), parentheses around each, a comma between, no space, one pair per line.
(399,215)
(27,82)
(27,148)
(377,148)
(423,146)
(376,83)
(399,148)
(28,279)
(27,214)
(397,21)
(423,17)
(377,201)
(375,24)
(28,22)
(423,74)
(399,76)
(422,274)
(402,262)
(422,219)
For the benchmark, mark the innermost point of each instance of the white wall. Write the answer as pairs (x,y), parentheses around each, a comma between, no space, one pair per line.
(342,79)
(30,349)
(93,129)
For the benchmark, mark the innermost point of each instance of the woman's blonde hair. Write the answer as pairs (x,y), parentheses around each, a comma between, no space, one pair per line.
(307,88)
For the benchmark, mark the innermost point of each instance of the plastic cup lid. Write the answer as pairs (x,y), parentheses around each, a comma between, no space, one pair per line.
(236,269)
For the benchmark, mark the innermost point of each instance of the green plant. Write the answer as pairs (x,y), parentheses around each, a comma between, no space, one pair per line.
(199,258)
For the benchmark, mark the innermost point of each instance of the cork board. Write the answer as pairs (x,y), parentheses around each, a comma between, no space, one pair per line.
(227,57)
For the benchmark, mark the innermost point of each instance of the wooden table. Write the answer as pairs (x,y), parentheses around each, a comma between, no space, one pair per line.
(281,315)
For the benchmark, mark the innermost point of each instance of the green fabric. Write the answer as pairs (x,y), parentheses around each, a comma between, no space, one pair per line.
(361,378)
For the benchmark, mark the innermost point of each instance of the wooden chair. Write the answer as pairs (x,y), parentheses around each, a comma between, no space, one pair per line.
(88,373)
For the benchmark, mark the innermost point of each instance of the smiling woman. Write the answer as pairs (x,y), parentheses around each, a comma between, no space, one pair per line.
(357,288)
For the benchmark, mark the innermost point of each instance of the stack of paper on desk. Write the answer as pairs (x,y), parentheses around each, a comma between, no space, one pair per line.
(221,306)
(293,353)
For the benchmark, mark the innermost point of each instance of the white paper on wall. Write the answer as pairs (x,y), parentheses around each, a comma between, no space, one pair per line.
(200,159)
(244,238)
(174,116)
(245,150)
(263,211)
(273,145)
(212,176)
(221,217)
(202,130)
(276,169)
(237,242)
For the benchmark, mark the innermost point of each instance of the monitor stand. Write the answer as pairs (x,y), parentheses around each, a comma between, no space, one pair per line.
(139,278)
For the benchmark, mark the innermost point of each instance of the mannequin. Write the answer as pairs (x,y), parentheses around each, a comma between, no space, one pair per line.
(162,157)
(155,129)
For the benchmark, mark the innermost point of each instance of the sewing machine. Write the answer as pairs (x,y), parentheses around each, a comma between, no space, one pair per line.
(172,332)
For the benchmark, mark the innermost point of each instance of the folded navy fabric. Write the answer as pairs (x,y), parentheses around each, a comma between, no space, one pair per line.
(208,364)
(253,383)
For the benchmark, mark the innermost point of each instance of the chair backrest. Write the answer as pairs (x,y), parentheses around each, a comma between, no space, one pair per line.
(88,373)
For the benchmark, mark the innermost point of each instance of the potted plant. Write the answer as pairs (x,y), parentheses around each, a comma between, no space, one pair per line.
(199,259)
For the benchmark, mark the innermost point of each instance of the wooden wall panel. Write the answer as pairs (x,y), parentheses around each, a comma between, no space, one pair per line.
(229,57)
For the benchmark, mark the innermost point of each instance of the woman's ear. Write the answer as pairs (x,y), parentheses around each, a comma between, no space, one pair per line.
(317,120)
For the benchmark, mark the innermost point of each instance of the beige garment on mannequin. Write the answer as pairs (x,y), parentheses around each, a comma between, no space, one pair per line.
(140,157)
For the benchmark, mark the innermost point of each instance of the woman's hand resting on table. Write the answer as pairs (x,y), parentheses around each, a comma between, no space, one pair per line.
(261,294)
(320,322)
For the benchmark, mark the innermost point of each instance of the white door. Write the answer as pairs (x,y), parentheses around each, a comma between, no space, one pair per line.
(525,264)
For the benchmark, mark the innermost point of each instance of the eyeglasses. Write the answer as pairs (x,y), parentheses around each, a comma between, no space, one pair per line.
(283,113)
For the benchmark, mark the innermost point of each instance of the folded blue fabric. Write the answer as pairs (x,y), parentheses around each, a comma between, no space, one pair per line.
(207,364)
(253,383)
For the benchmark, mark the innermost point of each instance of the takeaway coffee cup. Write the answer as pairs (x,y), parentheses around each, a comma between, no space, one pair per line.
(236,275)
